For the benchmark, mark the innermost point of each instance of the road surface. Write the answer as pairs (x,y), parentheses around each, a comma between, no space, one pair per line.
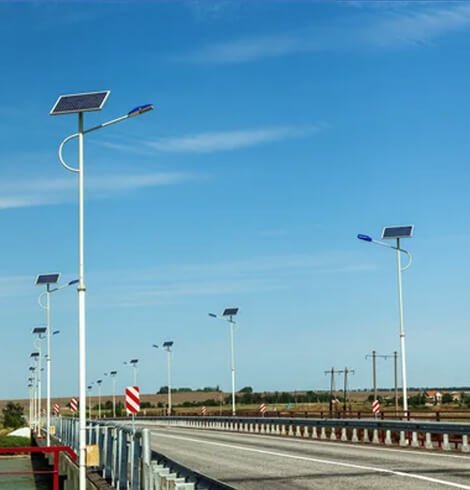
(257,462)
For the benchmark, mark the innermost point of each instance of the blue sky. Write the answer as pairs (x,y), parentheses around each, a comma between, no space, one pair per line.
(281,130)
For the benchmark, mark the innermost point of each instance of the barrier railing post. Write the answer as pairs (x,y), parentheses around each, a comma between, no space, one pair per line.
(146,460)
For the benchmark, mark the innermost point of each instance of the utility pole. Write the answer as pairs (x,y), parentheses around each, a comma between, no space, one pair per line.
(332,373)
(346,371)
(374,357)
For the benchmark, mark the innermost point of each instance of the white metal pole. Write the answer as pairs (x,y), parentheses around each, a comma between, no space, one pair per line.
(402,331)
(169,381)
(81,310)
(114,396)
(99,400)
(135,374)
(48,402)
(39,383)
(232,349)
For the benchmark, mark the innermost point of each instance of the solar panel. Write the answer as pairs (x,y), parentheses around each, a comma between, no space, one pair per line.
(85,102)
(230,312)
(168,344)
(34,354)
(113,373)
(403,231)
(39,330)
(134,361)
(47,278)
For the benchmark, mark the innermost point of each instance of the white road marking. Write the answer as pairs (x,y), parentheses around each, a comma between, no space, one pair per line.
(317,460)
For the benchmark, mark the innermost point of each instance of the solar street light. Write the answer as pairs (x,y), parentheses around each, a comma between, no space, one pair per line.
(228,315)
(98,382)
(167,346)
(397,233)
(39,331)
(48,280)
(79,104)
(113,374)
(133,363)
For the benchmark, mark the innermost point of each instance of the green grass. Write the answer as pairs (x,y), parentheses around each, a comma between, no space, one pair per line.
(14,441)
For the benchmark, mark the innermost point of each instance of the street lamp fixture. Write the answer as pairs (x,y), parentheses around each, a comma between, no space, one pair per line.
(167,346)
(48,280)
(397,233)
(79,104)
(228,315)
(133,363)
(113,374)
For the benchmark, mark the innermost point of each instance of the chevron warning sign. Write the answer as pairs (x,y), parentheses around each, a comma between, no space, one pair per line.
(133,400)
(73,405)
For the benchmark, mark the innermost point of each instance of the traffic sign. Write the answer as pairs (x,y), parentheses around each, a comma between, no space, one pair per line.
(73,405)
(376,407)
(203,411)
(133,400)
(262,409)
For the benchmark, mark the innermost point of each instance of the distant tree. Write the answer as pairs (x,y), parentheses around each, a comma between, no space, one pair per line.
(447,398)
(246,389)
(13,415)
(163,390)
(146,405)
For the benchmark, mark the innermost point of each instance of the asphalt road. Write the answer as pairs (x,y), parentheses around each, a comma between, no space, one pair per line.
(257,462)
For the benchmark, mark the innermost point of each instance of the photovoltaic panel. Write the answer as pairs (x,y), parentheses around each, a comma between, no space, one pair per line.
(405,231)
(86,102)
(168,344)
(39,330)
(47,278)
(230,312)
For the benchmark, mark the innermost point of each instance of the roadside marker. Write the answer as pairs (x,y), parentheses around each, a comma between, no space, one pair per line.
(203,411)
(73,405)
(376,407)
(133,400)
(262,409)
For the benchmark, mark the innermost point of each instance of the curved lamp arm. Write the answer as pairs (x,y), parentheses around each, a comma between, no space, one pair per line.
(59,153)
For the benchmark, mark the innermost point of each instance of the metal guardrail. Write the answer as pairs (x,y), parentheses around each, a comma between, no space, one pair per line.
(127,461)
(414,433)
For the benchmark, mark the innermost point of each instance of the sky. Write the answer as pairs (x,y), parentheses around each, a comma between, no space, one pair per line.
(281,129)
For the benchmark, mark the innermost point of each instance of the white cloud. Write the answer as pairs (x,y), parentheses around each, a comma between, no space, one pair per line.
(17,193)
(229,140)
(395,25)
(417,26)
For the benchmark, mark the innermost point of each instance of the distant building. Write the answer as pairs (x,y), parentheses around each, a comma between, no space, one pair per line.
(433,397)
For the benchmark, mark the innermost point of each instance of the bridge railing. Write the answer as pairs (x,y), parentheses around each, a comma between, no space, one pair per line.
(127,461)
(426,434)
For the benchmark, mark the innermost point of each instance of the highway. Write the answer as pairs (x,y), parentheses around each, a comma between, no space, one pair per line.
(256,462)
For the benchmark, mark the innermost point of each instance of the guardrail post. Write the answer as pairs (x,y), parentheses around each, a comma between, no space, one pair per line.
(365,436)
(388,437)
(291,430)
(428,441)
(344,435)
(314,432)
(283,430)
(297,431)
(333,434)
(354,437)
(375,437)
(414,439)
(322,433)
(445,442)
(465,447)
(403,439)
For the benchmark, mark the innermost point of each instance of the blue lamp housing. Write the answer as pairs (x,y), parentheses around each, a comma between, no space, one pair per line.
(366,238)
(140,109)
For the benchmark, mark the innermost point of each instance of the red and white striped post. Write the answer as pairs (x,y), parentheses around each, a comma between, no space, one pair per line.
(133,402)
(376,407)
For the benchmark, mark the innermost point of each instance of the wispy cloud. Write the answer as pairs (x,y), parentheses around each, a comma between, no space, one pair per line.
(16,193)
(229,140)
(403,23)
(417,26)
(170,283)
